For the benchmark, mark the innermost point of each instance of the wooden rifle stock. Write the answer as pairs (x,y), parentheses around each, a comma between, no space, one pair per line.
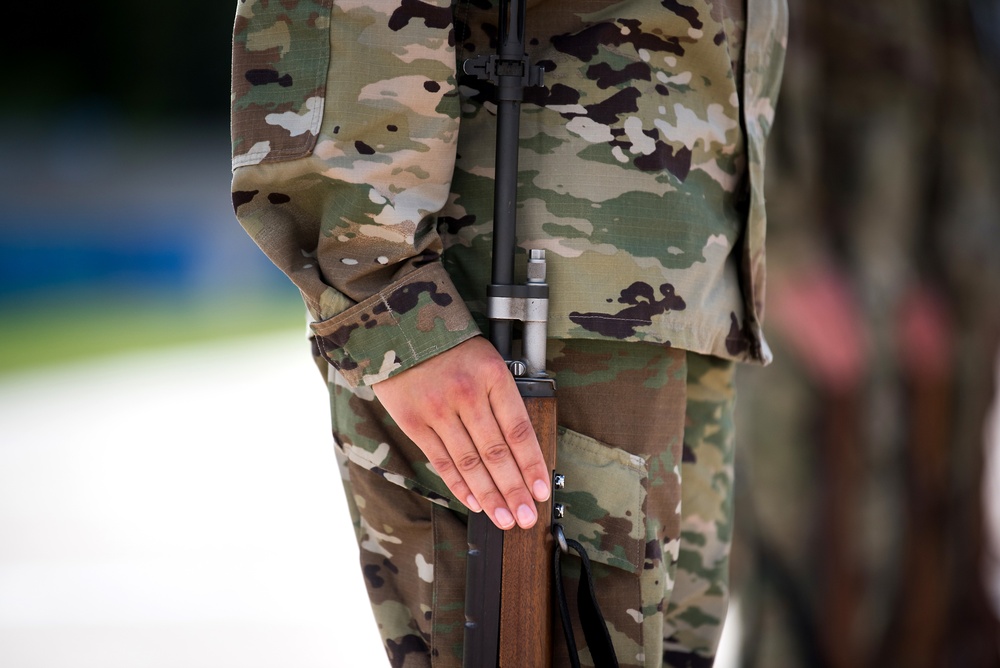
(509,581)
(526,598)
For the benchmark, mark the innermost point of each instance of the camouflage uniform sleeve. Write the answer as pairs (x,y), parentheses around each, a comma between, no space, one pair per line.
(345,121)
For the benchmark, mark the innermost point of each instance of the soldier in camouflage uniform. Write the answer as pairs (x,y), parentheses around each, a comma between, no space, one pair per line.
(363,167)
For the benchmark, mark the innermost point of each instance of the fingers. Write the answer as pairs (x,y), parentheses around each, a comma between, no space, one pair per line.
(472,458)
(513,421)
(494,458)
(441,461)
(461,466)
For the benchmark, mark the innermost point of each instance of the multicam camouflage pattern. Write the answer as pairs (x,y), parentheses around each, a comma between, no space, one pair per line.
(660,548)
(641,175)
(277,94)
(700,597)
(641,168)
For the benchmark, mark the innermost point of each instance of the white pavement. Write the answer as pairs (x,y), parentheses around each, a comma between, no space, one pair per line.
(182,510)
(177,510)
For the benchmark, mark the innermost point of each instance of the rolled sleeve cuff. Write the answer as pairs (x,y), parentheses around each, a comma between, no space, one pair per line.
(400,326)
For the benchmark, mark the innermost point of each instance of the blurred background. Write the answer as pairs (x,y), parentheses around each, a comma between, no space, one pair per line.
(168,492)
(868,493)
(114,177)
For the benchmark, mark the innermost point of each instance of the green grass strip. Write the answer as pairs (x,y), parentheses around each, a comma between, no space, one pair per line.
(50,331)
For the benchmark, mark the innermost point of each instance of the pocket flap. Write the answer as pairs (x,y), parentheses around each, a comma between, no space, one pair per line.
(605,499)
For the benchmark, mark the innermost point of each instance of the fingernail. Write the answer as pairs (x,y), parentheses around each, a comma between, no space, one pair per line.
(472,504)
(504,519)
(525,515)
(541,490)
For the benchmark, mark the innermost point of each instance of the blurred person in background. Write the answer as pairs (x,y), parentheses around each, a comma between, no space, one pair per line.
(859,515)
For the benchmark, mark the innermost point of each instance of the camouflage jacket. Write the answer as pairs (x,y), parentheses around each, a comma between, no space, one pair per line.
(363,164)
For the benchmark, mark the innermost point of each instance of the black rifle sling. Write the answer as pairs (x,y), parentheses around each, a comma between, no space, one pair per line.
(595,629)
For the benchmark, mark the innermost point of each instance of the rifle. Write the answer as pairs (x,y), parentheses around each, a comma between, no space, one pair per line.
(508,600)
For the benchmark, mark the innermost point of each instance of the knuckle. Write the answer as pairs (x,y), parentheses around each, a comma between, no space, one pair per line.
(520,432)
(517,493)
(468,462)
(535,468)
(435,408)
(463,389)
(494,370)
(443,465)
(491,499)
(407,420)
(495,453)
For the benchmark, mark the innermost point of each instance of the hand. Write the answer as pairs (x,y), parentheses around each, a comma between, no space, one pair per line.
(822,322)
(463,410)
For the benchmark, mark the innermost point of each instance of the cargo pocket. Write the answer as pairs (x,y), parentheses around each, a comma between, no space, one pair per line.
(605,500)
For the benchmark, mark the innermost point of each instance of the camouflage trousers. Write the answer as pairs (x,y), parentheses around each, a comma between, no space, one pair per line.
(646,443)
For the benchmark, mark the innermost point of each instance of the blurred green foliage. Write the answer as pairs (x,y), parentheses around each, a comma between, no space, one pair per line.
(47,331)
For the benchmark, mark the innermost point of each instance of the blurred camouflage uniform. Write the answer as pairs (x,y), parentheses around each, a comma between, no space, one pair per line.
(859,498)
(363,167)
